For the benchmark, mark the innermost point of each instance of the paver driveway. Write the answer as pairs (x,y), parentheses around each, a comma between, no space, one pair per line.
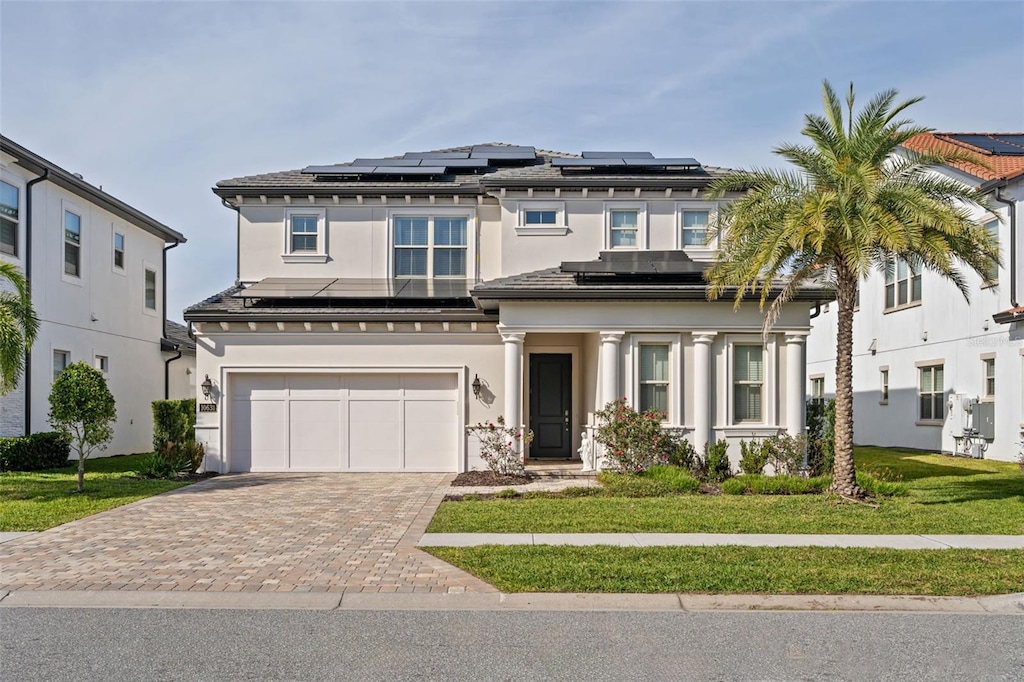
(249,532)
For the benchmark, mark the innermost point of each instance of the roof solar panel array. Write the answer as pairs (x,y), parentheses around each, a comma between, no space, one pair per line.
(624,159)
(429,163)
(281,288)
(1008,145)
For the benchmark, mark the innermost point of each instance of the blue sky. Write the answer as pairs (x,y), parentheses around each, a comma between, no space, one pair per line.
(156,101)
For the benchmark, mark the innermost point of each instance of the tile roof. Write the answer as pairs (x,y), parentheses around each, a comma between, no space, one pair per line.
(178,333)
(540,173)
(1001,166)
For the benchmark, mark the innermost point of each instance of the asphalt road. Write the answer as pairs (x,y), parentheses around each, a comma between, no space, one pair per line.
(173,644)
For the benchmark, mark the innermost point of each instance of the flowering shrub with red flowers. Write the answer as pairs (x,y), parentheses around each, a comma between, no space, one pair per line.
(501,445)
(633,441)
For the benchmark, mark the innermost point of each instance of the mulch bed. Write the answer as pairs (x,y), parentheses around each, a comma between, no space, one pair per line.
(467,478)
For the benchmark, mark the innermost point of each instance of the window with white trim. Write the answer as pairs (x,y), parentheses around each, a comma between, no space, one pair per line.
(150,289)
(902,284)
(61,360)
(72,244)
(818,389)
(883,375)
(695,224)
(931,394)
(102,363)
(748,383)
(119,251)
(989,365)
(992,274)
(303,233)
(653,378)
(9,218)
(430,246)
(624,228)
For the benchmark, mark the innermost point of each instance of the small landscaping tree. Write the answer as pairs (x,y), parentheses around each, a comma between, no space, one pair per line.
(82,408)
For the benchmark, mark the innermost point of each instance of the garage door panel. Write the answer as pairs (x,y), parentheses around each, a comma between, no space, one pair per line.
(314,437)
(430,386)
(375,435)
(302,386)
(257,386)
(430,435)
(375,386)
(258,435)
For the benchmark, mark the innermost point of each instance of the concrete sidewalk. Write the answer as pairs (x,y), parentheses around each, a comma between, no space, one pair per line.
(719,539)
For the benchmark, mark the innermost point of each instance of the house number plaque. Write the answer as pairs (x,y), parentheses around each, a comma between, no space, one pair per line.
(207,407)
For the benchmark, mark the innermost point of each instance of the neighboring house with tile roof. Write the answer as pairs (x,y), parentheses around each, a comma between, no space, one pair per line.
(180,367)
(383,306)
(920,350)
(97,271)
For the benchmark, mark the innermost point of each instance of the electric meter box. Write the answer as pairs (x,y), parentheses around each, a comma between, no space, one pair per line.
(983,419)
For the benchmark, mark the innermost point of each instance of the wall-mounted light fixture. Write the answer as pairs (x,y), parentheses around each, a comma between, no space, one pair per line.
(476,385)
(207,387)
(874,346)
(924,336)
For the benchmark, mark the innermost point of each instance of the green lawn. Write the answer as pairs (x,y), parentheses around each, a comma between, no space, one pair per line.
(945,495)
(742,570)
(37,500)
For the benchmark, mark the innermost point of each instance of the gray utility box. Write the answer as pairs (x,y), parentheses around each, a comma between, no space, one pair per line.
(983,420)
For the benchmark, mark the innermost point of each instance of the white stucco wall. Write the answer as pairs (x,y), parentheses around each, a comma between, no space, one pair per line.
(944,327)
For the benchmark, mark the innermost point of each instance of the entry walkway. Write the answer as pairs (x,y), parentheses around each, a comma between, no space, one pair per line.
(718,539)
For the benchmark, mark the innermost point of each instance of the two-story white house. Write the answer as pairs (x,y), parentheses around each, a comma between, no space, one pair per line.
(97,271)
(920,350)
(385,305)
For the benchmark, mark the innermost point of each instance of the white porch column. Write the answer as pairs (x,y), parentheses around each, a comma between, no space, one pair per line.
(610,367)
(513,378)
(702,388)
(796,392)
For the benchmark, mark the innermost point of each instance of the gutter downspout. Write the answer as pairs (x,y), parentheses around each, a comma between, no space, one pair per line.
(163,325)
(28,280)
(1012,204)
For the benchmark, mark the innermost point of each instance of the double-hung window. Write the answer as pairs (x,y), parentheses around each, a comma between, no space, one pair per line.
(992,273)
(931,395)
(430,246)
(989,365)
(902,284)
(150,289)
(818,389)
(695,228)
(624,228)
(654,378)
(119,251)
(303,233)
(883,374)
(72,244)
(9,219)
(748,383)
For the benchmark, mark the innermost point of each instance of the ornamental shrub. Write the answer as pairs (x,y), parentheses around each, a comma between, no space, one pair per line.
(173,460)
(786,453)
(681,452)
(716,461)
(501,447)
(821,430)
(633,442)
(753,457)
(173,421)
(83,409)
(45,450)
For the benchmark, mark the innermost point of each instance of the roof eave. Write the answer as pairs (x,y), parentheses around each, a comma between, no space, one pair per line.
(467,315)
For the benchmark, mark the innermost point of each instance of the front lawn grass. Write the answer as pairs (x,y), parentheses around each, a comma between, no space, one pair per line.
(945,495)
(741,570)
(37,500)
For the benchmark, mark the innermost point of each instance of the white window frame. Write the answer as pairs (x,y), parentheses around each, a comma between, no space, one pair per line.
(18,241)
(83,231)
(987,281)
(883,379)
(817,380)
(431,212)
(769,414)
(101,362)
(987,360)
(53,358)
(674,414)
(118,269)
(559,229)
(932,365)
(685,206)
(641,224)
(911,302)
(148,267)
(318,256)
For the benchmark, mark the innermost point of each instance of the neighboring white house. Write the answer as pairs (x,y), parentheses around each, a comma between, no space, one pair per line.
(96,267)
(385,305)
(181,369)
(920,350)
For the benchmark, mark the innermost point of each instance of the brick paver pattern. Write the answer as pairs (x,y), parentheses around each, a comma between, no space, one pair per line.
(250,532)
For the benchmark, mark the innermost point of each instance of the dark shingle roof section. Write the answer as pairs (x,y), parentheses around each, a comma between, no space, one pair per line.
(178,333)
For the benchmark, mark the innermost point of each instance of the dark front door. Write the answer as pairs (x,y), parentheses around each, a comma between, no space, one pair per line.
(551,405)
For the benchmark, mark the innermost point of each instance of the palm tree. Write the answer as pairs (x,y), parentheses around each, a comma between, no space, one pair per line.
(18,326)
(852,204)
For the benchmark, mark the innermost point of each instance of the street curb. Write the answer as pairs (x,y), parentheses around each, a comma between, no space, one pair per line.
(1010,604)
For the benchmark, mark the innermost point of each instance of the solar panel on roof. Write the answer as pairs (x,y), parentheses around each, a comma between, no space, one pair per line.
(504,156)
(436,155)
(386,162)
(362,288)
(409,170)
(463,163)
(338,170)
(499,149)
(997,144)
(586,163)
(436,288)
(618,155)
(285,288)
(660,163)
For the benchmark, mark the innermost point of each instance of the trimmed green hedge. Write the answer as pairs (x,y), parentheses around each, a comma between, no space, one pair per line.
(173,421)
(47,450)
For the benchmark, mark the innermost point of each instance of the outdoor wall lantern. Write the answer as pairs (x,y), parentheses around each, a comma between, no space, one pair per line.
(476,385)
(207,386)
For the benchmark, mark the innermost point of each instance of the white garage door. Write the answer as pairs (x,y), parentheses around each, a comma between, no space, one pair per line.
(335,422)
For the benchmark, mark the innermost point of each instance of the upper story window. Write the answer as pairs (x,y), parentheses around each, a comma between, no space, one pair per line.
(430,246)
(624,229)
(541,218)
(72,244)
(748,383)
(9,219)
(992,274)
(303,234)
(902,284)
(305,238)
(538,216)
(150,289)
(118,251)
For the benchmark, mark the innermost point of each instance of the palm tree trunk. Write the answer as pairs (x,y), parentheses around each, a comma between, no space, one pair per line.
(844,475)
